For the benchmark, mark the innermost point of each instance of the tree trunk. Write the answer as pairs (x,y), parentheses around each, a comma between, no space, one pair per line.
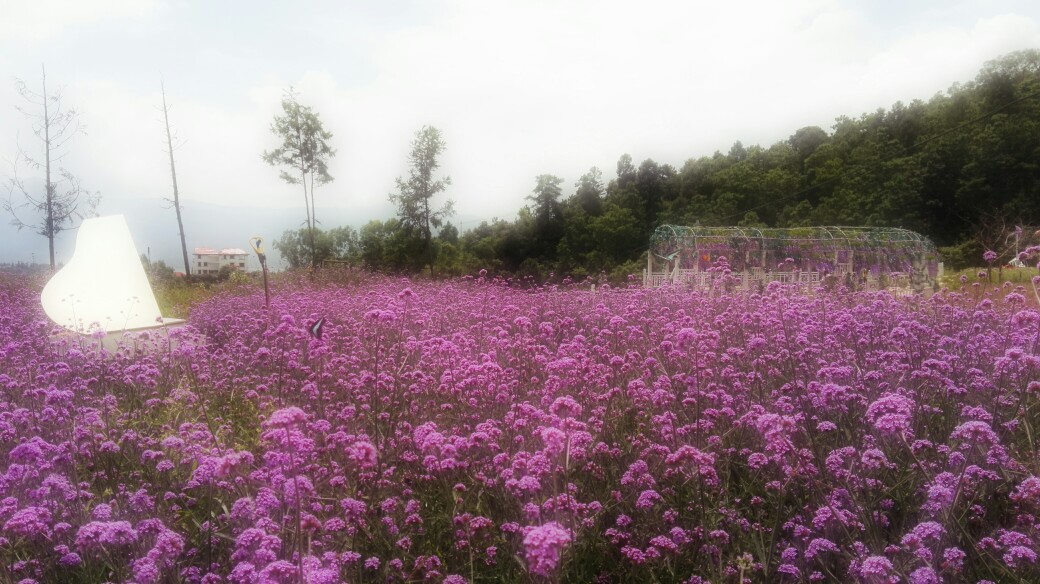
(314,222)
(176,194)
(49,185)
(306,200)
(428,233)
(307,206)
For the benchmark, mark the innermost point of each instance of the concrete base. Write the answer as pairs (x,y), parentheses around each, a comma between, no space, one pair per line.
(145,339)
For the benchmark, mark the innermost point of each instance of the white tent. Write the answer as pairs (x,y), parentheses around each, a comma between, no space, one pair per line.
(103,287)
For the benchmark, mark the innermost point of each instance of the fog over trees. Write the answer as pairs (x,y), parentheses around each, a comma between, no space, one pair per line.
(950,168)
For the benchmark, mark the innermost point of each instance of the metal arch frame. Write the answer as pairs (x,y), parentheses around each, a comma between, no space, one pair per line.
(882,245)
(853,236)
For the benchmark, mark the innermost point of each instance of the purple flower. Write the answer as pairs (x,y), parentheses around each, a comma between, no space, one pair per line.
(975,432)
(647,499)
(565,407)
(819,546)
(98,535)
(30,522)
(925,575)
(543,546)
(1028,491)
(875,567)
(70,560)
(364,454)
(1017,556)
(925,533)
(555,440)
(891,413)
(279,572)
(286,418)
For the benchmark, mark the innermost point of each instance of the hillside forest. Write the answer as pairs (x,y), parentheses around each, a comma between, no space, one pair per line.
(962,168)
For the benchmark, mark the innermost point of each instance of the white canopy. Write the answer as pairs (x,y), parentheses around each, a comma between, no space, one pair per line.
(103,286)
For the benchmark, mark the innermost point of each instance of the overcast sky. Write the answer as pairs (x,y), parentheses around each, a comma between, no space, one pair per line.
(518,88)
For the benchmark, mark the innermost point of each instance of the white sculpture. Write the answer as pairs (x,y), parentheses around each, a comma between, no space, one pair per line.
(103,287)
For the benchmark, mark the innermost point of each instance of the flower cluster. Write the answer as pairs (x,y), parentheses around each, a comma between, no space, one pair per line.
(442,431)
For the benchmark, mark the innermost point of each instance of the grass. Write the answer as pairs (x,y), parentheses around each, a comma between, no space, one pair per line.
(176,297)
(995,276)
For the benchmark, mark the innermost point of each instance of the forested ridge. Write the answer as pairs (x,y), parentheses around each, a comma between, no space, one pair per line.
(960,168)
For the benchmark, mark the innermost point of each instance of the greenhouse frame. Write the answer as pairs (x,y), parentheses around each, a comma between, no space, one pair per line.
(857,257)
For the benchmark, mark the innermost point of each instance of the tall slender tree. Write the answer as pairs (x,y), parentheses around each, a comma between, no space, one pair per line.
(589,192)
(303,154)
(413,195)
(548,215)
(176,201)
(60,204)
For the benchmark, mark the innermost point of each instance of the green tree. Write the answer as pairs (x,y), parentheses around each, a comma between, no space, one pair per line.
(589,192)
(935,167)
(449,234)
(302,247)
(303,156)
(340,243)
(626,172)
(389,246)
(617,236)
(158,272)
(806,140)
(548,215)
(654,185)
(346,243)
(413,197)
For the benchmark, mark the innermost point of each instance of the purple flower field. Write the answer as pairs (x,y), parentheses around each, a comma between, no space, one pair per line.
(469,431)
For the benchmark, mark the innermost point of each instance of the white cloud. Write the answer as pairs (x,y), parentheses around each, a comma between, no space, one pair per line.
(520,89)
(42,20)
(923,64)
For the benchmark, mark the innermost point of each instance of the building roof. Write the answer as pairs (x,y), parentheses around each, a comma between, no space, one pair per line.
(225,251)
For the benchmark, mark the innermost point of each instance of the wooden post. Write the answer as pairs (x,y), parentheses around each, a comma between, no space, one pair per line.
(649,266)
(257,244)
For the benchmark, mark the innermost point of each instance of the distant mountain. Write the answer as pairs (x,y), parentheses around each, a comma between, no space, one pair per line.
(153,225)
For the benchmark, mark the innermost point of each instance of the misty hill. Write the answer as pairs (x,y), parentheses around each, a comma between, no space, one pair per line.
(153,226)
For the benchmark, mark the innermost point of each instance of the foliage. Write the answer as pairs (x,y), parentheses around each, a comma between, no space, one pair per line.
(340,243)
(959,168)
(415,212)
(303,156)
(177,297)
(548,215)
(158,272)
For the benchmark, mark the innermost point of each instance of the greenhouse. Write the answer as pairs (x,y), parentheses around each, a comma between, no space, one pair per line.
(857,257)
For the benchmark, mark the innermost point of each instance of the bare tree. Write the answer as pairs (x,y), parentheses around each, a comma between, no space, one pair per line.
(176,201)
(59,204)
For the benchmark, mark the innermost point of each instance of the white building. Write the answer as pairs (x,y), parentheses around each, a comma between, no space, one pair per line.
(208,261)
